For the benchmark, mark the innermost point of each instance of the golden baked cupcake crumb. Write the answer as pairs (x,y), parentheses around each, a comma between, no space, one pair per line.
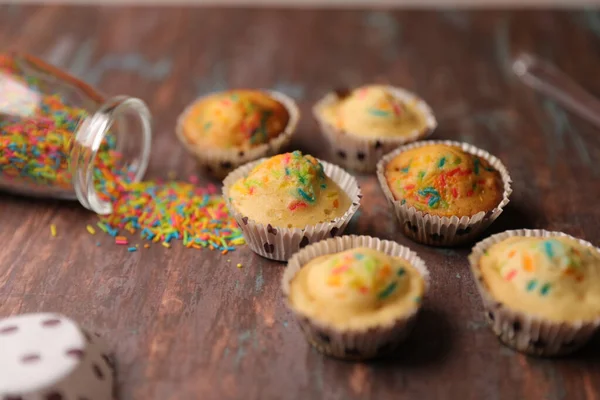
(444,180)
(289,190)
(374,112)
(357,289)
(235,119)
(554,278)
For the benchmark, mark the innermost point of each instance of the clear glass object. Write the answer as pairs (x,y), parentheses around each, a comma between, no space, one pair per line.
(59,137)
(552,82)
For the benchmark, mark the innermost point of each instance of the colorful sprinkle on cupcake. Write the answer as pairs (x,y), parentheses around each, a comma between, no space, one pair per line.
(227,129)
(552,277)
(289,190)
(355,297)
(235,119)
(374,111)
(444,180)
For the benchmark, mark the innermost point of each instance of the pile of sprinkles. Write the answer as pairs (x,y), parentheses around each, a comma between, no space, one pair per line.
(163,212)
(36,137)
(37,131)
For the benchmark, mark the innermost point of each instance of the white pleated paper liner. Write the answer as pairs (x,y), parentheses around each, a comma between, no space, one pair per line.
(220,162)
(524,332)
(279,243)
(443,231)
(48,356)
(353,344)
(362,153)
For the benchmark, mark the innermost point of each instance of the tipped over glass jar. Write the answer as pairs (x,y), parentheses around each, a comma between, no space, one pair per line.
(61,138)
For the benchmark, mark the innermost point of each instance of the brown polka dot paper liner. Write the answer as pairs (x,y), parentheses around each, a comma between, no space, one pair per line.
(526,333)
(220,162)
(443,231)
(353,344)
(362,153)
(279,243)
(48,356)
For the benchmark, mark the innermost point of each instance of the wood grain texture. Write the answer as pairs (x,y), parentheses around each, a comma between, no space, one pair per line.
(189,324)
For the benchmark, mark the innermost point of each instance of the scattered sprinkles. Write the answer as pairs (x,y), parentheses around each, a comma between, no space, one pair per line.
(35,149)
(163,212)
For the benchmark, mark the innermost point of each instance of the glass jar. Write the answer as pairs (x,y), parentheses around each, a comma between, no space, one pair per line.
(60,138)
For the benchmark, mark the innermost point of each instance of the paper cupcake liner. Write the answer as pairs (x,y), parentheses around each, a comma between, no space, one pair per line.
(523,332)
(279,243)
(443,231)
(48,356)
(353,344)
(361,153)
(220,162)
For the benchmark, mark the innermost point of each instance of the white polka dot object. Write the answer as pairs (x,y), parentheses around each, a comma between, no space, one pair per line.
(49,357)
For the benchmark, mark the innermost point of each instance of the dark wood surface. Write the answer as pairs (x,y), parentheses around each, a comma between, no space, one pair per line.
(188,324)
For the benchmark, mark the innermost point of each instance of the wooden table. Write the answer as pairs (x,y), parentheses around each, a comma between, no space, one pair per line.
(188,324)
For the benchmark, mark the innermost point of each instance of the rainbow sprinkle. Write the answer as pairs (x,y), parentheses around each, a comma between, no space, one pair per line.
(441,183)
(539,264)
(35,149)
(163,212)
(37,131)
(253,111)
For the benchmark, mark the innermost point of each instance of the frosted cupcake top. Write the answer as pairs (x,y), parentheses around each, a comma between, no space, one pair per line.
(357,288)
(289,190)
(373,111)
(444,180)
(555,277)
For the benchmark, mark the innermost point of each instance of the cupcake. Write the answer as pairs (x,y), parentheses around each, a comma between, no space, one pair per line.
(355,297)
(227,129)
(364,124)
(540,290)
(290,200)
(444,193)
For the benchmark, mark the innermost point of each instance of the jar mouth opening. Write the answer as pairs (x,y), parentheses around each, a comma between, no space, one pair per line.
(106,148)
